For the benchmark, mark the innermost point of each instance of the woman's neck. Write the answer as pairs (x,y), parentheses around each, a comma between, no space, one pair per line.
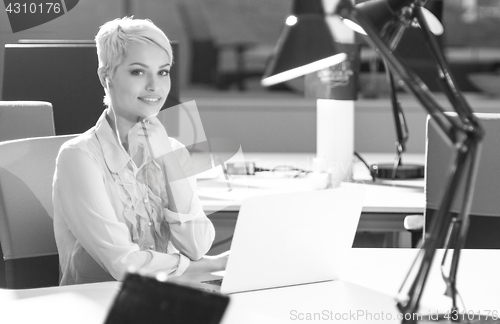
(121,128)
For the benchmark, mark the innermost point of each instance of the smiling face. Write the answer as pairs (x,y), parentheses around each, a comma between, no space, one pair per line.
(140,84)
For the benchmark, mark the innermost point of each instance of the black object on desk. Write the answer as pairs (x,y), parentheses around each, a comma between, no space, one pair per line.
(398,169)
(147,300)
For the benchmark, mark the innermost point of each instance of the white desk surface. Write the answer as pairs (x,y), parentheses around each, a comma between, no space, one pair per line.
(382,196)
(370,280)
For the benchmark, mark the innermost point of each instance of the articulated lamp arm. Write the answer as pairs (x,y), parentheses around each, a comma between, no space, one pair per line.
(464,133)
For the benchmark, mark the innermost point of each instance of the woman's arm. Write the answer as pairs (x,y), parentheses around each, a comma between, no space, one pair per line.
(208,264)
(192,232)
(81,199)
(174,161)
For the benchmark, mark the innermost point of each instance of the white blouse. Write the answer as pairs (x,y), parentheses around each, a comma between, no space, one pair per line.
(111,216)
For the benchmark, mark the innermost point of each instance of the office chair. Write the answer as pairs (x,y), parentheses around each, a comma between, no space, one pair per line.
(26,230)
(23,119)
(484,229)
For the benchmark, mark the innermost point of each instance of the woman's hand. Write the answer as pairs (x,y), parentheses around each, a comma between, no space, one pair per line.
(209,263)
(152,132)
(220,260)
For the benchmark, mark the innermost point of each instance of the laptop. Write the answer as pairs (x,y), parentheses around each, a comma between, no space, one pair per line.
(287,239)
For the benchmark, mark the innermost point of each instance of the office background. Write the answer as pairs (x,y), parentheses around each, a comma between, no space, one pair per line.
(468,23)
(238,114)
(290,119)
(84,20)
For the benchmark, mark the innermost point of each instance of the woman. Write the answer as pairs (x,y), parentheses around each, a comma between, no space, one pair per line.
(122,196)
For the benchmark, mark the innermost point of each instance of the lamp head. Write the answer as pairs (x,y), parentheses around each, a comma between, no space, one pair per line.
(306,45)
(390,18)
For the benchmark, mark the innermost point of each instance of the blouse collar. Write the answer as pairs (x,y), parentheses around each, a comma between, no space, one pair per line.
(114,154)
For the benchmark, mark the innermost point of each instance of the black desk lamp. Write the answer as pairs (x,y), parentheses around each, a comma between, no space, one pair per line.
(391,30)
(305,45)
(383,21)
(309,46)
(397,170)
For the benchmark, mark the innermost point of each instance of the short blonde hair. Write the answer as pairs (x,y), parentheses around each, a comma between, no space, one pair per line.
(116,35)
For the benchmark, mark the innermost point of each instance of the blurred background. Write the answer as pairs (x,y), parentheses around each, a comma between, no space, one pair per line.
(223,48)
(214,27)
(225,44)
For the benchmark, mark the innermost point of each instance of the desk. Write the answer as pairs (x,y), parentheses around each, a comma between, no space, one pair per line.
(369,282)
(370,278)
(386,203)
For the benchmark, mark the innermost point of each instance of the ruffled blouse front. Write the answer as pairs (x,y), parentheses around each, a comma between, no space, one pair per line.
(111,214)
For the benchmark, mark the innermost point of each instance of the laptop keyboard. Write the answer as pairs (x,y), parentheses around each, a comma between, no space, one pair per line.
(217,282)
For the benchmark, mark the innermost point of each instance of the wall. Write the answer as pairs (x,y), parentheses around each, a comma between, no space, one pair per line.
(287,123)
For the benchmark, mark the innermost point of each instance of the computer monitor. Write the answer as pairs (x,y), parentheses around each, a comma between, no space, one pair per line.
(64,73)
(483,231)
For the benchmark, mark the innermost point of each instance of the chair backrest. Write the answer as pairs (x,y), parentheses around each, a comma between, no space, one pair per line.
(23,119)
(484,229)
(26,230)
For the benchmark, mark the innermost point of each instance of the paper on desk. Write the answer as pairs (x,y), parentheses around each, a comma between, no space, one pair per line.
(244,187)
(241,312)
(59,308)
(212,173)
